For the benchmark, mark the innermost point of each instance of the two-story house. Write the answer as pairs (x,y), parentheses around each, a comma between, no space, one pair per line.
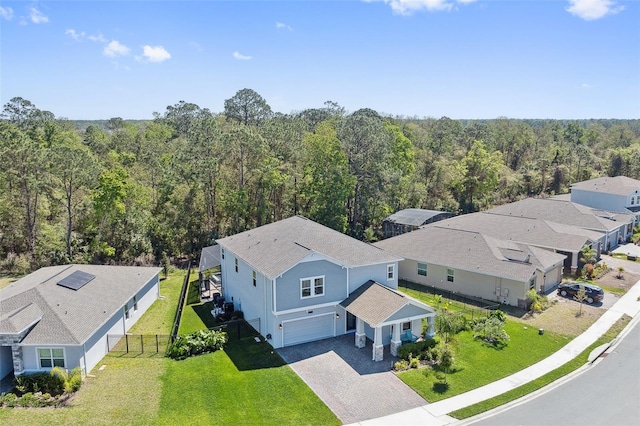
(299,279)
(615,194)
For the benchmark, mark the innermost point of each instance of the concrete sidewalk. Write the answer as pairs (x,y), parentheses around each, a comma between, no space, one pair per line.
(436,413)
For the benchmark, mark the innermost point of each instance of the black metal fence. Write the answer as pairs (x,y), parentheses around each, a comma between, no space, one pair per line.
(183,294)
(474,306)
(138,343)
(240,328)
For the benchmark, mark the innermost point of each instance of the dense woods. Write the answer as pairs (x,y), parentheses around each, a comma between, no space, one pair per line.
(141,192)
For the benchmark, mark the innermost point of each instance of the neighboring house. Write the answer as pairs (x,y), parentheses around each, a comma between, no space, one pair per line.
(295,280)
(61,315)
(474,264)
(564,239)
(617,194)
(408,220)
(615,227)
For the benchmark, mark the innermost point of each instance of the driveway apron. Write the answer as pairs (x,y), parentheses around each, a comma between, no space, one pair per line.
(353,386)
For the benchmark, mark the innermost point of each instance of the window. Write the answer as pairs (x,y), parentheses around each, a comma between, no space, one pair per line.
(311,287)
(254,278)
(406,326)
(222,252)
(391,269)
(135,303)
(422,269)
(236,261)
(532,283)
(450,275)
(126,310)
(51,357)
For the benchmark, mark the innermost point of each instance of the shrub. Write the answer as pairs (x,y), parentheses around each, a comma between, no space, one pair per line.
(537,302)
(414,363)
(400,365)
(196,343)
(416,349)
(491,330)
(52,382)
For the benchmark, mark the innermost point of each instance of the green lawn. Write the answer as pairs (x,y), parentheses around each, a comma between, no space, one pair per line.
(477,364)
(247,383)
(538,383)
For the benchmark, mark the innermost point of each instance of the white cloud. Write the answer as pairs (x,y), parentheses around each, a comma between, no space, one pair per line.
(114,48)
(586,86)
(407,7)
(283,26)
(155,53)
(37,17)
(240,56)
(6,12)
(98,37)
(74,35)
(590,10)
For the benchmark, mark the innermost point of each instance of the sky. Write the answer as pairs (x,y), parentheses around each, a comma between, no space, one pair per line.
(463,59)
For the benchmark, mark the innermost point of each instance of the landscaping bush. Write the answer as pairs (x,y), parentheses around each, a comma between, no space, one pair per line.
(198,342)
(417,349)
(491,331)
(401,365)
(52,383)
(30,399)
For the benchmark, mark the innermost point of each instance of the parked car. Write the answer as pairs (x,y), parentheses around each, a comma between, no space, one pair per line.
(593,292)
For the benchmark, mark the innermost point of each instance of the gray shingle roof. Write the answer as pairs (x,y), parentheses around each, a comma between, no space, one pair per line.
(20,319)
(275,248)
(375,303)
(209,258)
(619,185)
(559,211)
(413,217)
(469,251)
(72,316)
(524,230)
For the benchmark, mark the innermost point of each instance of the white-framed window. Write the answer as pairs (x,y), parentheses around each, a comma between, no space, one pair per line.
(236,263)
(450,275)
(422,269)
(391,272)
(51,357)
(135,303)
(406,326)
(222,252)
(126,310)
(311,287)
(532,283)
(255,278)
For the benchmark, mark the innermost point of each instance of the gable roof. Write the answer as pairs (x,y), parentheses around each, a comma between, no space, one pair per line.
(209,258)
(275,248)
(375,303)
(414,217)
(563,212)
(618,185)
(536,232)
(471,251)
(64,316)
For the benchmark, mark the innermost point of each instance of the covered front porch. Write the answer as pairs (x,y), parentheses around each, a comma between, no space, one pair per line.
(387,316)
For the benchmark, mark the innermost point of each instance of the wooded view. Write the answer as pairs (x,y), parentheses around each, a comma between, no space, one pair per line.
(141,192)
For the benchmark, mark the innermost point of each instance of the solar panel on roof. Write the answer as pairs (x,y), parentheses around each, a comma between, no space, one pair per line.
(76,280)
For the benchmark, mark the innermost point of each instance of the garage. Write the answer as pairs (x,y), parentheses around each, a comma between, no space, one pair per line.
(308,329)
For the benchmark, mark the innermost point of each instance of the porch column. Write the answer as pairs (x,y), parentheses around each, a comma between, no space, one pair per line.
(574,262)
(361,338)
(431,330)
(377,345)
(395,339)
(18,362)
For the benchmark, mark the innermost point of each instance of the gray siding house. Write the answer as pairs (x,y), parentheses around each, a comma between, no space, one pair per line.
(474,264)
(61,315)
(408,220)
(616,194)
(291,278)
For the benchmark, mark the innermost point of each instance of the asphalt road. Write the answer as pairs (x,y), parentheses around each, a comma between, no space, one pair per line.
(607,393)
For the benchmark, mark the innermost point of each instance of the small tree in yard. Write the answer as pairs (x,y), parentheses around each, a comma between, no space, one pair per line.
(581,296)
(445,359)
(620,271)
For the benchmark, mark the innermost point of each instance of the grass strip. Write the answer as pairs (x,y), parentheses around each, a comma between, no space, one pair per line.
(542,381)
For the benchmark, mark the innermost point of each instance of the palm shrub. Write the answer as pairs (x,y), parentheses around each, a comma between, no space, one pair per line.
(198,342)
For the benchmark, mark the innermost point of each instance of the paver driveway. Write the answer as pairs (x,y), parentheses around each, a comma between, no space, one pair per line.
(353,386)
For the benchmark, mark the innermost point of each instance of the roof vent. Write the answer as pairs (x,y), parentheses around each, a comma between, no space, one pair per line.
(76,280)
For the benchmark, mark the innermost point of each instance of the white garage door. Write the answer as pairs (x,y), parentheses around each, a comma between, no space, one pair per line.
(308,329)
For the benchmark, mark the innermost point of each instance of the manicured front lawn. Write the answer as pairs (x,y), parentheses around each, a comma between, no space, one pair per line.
(248,383)
(477,364)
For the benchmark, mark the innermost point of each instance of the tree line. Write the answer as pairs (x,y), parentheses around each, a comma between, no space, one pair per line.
(140,192)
